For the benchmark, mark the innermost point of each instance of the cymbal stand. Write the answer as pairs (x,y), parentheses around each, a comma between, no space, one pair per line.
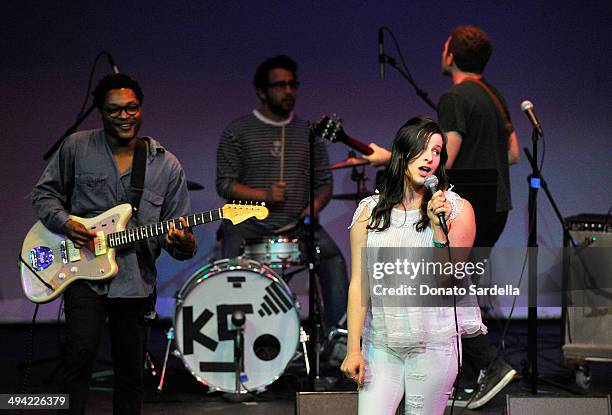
(170,337)
(359,178)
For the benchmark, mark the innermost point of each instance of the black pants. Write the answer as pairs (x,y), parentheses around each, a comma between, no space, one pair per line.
(86,313)
(479,352)
(332,267)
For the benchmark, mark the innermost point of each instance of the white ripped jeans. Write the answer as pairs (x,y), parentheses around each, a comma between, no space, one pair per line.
(424,374)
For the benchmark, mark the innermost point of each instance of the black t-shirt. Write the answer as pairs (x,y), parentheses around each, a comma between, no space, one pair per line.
(468,109)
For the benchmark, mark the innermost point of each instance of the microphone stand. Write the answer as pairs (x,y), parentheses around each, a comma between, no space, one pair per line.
(85,114)
(532,313)
(567,237)
(532,331)
(422,94)
(69,131)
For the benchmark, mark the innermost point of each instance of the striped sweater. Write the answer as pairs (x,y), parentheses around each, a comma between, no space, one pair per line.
(249,152)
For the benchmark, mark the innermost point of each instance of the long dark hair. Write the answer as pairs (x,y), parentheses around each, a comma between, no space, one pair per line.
(409,143)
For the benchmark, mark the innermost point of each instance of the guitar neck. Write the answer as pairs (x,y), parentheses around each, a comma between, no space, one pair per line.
(140,233)
(355,144)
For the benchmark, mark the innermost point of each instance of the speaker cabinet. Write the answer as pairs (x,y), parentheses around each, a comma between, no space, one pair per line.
(536,405)
(587,327)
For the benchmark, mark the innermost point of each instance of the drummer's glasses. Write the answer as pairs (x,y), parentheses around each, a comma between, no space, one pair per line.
(284,84)
(115,112)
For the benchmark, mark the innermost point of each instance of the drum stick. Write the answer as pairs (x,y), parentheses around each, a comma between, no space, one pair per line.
(282,155)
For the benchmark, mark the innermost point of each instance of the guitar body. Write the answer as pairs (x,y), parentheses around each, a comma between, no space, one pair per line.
(49,261)
(51,257)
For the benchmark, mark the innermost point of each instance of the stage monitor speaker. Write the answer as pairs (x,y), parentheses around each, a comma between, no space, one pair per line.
(572,405)
(329,403)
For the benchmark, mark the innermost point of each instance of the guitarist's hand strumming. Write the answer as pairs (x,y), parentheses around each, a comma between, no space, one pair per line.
(77,233)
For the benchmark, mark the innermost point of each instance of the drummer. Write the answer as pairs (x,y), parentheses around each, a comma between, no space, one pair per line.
(263,156)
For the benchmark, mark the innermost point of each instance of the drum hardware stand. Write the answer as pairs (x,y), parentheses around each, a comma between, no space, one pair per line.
(286,276)
(170,337)
(314,316)
(359,178)
(238,320)
(303,341)
(240,393)
(315,323)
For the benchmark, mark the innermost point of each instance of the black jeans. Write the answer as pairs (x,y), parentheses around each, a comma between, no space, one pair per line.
(332,267)
(479,352)
(86,313)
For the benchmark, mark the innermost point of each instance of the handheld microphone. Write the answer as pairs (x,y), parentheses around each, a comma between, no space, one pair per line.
(111,61)
(431,184)
(381,53)
(527,108)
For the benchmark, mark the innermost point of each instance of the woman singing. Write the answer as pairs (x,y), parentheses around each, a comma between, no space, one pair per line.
(407,350)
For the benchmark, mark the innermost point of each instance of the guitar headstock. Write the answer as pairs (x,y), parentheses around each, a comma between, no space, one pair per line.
(239,212)
(329,128)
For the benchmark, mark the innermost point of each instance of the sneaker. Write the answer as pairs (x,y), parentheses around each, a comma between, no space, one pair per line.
(491,382)
(464,397)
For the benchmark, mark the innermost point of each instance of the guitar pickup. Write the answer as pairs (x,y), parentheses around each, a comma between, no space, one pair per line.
(100,243)
(64,252)
(72,254)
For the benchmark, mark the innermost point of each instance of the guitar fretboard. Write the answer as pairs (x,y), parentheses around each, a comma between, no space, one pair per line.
(130,235)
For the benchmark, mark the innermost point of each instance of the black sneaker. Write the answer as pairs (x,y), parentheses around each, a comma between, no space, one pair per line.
(464,397)
(491,382)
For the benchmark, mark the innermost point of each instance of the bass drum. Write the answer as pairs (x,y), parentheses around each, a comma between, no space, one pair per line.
(204,335)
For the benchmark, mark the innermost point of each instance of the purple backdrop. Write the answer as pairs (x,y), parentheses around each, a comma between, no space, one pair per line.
(195,62)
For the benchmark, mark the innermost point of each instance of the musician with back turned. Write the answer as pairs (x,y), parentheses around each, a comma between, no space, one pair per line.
(476,121)
(263,156)
(91,173)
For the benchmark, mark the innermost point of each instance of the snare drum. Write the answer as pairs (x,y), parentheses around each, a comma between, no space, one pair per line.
(202,322)
(276,252)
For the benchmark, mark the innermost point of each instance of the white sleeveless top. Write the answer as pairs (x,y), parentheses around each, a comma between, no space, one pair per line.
(412,326)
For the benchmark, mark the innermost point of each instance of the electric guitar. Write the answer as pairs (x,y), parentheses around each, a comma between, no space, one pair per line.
(50,262)
(330,128)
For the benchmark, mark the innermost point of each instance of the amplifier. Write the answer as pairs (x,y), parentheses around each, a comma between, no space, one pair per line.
(587,328)
(589,222)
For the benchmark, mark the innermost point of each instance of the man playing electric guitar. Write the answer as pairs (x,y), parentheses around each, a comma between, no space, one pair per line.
(92,172)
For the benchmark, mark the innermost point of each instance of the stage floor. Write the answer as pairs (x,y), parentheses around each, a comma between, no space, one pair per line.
(183,395)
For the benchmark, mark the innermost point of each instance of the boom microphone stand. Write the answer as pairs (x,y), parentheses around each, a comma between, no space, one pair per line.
(384,58)
(84,114)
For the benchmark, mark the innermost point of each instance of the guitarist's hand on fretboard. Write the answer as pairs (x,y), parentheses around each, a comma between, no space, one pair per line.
(181,242)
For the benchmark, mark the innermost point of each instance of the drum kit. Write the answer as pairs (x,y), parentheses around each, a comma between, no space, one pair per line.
(236,323)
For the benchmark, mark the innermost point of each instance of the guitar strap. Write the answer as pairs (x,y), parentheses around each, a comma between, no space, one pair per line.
(500,108)
(139,168)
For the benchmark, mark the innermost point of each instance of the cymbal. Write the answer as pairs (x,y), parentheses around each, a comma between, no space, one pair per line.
(194,185)
(348,162)
(351,196)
